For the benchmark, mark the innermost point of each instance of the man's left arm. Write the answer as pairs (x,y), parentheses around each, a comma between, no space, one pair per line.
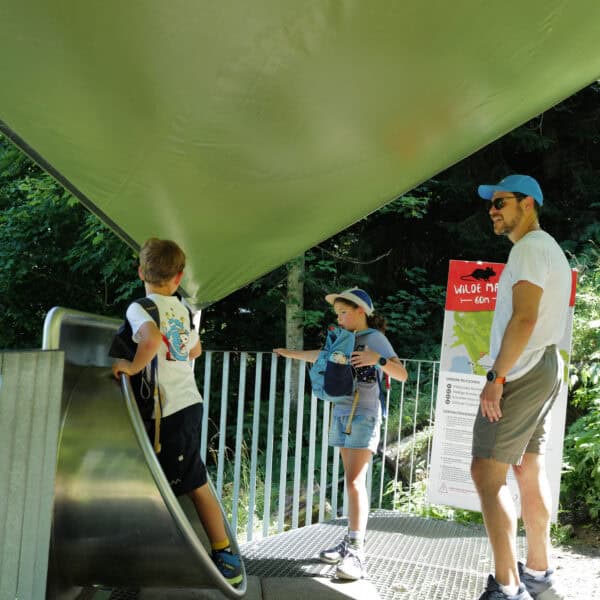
(526,302)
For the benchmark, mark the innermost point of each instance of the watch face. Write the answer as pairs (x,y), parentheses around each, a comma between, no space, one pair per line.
(382,361)
(491,375)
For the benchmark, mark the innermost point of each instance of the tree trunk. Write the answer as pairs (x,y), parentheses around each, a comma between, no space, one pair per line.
(294,316)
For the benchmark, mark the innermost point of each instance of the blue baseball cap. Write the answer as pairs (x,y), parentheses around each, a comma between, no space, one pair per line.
(514,183)
(356,295)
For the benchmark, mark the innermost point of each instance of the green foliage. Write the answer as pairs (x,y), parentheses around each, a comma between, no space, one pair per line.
(313,319)
(414,501)
(243,499)
(586,322)
(560,534)
(408,206)
(585,385)
(404,402)
(52,253)
(110,259)
(409,312)
(580,484)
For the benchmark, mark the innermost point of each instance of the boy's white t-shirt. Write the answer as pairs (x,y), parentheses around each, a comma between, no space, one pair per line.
(536,258)
(175,373)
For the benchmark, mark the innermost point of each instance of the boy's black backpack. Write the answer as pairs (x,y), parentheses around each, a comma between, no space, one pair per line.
(123,346)
(144,382)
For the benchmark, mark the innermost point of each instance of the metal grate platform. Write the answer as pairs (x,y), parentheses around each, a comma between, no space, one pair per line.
(407,556)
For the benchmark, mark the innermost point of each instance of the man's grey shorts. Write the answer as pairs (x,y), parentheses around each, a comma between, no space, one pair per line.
(525,406)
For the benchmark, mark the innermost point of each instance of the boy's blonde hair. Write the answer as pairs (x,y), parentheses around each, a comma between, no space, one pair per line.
(161,260)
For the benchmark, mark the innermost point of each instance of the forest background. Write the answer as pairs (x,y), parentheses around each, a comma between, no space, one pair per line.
(53,252)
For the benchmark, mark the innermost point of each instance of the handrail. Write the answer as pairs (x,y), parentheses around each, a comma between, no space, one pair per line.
(287,440)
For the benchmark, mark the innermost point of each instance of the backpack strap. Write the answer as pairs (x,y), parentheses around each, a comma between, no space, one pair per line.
(382,392)
(348,429)
(356,398)
(150,307)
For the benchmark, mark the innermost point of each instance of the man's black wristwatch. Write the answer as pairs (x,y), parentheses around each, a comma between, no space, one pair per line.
(381,362)
(492,377)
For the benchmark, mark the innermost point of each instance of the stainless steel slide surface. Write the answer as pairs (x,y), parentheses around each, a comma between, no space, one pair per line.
(116,520)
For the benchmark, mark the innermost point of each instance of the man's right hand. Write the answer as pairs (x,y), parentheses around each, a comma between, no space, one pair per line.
(490,401)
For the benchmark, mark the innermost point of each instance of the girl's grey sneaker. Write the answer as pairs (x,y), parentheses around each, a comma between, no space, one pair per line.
(335,555)
(493,592)
(352,565)
(540,588)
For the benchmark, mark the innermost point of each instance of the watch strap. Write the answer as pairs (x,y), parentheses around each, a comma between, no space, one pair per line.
(492,377)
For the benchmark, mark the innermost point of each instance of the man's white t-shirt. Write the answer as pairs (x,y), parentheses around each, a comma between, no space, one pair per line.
(175,371)
(538,259)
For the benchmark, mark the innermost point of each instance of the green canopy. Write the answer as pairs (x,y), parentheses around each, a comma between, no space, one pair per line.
(250,131)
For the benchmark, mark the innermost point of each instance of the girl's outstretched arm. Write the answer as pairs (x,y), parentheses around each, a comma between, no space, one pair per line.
(307,355)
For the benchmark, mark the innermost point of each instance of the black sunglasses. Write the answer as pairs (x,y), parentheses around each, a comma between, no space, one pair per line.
(498,203)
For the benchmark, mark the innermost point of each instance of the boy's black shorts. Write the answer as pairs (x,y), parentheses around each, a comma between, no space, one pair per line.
(180,449)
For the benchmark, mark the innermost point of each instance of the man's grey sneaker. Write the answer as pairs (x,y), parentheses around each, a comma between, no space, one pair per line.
(229,565)
(352,565)
(335,555)
(540,588)
(493,592)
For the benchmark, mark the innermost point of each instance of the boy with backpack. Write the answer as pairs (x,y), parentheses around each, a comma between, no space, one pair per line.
(175,344)
(356,419)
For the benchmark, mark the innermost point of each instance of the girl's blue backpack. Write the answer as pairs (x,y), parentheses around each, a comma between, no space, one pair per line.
(332,376)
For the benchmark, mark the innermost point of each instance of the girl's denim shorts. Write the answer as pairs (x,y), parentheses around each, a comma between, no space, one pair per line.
(365,432)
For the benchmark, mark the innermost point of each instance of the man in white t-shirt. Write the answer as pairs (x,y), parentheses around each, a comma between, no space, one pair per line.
(513,419)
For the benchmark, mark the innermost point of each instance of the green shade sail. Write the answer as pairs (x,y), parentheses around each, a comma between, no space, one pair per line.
(250,131)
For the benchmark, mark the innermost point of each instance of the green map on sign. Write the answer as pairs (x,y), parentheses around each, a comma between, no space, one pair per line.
(472,330)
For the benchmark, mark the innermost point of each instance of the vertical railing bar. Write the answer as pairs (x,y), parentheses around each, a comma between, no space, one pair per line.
(254,450)
(431,418)
(412,453)
(239,437)
(310,475)
(370,482)
(223,424)
(206,403)
(399,440)
(269,451)
(298,449)
(324,452)
(335,481)
(388,392)
(284,445)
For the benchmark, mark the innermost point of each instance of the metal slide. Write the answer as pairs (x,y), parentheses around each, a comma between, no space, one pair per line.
(116,522)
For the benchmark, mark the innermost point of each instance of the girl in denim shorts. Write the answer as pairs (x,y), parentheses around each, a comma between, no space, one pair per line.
(373,357)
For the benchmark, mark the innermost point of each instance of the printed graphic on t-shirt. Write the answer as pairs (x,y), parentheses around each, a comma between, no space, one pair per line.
(177,338)
(366,374)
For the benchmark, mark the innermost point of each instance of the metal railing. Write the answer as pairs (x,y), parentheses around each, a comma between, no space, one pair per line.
(264,439)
